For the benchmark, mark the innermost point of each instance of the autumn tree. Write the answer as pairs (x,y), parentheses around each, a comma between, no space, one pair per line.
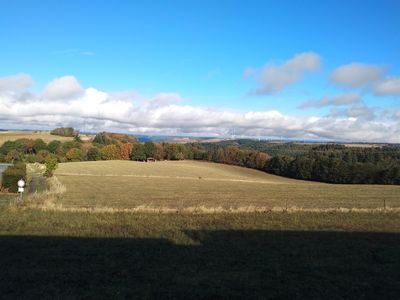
(110,152)
(74,154)
(125,151)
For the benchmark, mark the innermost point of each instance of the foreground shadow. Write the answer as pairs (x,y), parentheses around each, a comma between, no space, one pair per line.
(225,264)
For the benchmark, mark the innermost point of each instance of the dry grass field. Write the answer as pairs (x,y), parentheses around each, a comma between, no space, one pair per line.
(84,253)
(44,135)
(191,184)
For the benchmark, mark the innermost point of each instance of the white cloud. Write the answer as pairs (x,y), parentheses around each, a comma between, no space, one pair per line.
(324,101)
(356,74)
(388,87)
(65,87)
(166,113)
(342,99)
(15,83)
(358,111)
(275,78)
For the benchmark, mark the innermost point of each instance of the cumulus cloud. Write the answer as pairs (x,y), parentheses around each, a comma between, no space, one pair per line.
(15,83)
(357,111)
(274,78)
(342,99)
(388,87)
(65,87)
(167,113)
(357,74)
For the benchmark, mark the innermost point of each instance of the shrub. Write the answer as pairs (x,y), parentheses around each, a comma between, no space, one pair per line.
(74,154)
(93,154)
(39,145)
(70,145)
(13,155)
(54,146)
(11,176)
(51,163)
(11,145)
(41,156)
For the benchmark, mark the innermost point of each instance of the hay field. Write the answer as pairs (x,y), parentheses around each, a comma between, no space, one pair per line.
(44,135)
(188,184)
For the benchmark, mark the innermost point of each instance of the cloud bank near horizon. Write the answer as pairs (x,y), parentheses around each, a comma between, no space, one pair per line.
(64,102)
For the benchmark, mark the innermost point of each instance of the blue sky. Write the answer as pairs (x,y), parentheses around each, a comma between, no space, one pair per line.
(200,50)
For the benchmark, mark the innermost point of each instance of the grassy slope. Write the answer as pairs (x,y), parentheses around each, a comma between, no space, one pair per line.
(47,255)
(44,135)
(125,184)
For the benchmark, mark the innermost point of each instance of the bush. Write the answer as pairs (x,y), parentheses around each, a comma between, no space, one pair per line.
(66,146)
(93,154)
(39,145)
(54,146)
(41,156)
(13,155)
(12,175)
(74,154)
(51,163)
(9,146)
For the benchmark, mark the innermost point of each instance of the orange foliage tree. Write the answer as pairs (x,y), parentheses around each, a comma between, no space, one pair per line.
(125,151)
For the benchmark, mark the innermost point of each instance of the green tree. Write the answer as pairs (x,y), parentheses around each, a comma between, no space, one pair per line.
(138,152)
(38,145)
(51,164)
(149,149)
(173,152)
(65,131)
(103,139)
(66,146)
(54,146)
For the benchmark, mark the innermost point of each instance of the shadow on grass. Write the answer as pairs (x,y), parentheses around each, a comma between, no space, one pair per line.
(225,264)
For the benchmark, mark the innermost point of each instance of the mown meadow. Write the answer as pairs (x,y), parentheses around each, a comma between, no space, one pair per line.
(193,184)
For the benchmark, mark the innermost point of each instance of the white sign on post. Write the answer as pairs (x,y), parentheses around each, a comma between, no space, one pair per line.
(21,185)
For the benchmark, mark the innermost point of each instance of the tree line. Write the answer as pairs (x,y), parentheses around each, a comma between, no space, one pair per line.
(327,163)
